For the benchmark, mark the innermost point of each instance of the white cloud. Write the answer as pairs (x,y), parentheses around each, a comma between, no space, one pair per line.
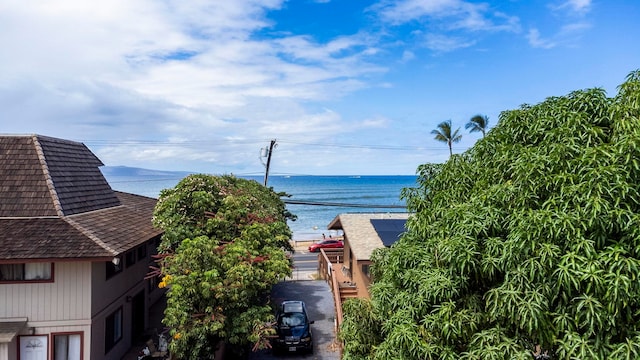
(566,36)
(376,122)
(538,42)
(408,55)
(579,7)
(170,70)
(444,43)
(450,24)
(451,14)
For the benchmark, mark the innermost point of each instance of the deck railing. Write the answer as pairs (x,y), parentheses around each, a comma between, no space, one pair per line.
(325,269)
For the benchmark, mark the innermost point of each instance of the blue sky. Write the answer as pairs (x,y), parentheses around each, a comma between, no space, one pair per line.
(344,86)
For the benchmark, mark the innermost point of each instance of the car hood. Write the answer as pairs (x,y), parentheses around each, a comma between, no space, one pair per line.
(297,331)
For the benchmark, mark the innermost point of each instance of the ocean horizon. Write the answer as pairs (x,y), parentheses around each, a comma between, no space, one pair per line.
(346,193)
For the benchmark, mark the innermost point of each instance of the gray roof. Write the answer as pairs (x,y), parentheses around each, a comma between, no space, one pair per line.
(55,203)
(360,233)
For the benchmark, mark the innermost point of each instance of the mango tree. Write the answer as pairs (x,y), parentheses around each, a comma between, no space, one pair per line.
(225,244)
(526,245)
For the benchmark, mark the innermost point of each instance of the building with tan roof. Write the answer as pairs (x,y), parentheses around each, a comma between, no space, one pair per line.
(363,233)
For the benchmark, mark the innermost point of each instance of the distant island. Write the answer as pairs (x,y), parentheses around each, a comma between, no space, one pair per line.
(110,171)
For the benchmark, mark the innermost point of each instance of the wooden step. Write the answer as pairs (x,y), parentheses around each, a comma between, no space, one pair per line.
(348,290)
(348,293)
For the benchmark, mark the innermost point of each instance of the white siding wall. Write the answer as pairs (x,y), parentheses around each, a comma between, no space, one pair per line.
(79,300)
(60,306)
(4,351)
(67,298)
(85,330)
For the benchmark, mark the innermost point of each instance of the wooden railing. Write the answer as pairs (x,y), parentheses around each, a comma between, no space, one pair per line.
(327,272)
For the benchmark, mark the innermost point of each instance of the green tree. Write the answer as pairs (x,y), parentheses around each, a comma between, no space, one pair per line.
(529,240)
(443,133)
(224,246)
(478,123)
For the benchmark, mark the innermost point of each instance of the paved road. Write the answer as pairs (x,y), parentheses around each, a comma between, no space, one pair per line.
(317,295)
(305,261)
(305,265)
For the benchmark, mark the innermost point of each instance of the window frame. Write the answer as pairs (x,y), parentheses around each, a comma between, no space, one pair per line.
(130,258)
(69,333)
(110,343)
(142,252)
(366,270)
(50,279)
(39,337)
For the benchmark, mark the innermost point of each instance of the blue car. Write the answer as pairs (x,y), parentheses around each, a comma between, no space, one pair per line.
(293,328)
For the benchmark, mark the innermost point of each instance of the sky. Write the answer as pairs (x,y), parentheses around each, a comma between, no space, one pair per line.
(345,87)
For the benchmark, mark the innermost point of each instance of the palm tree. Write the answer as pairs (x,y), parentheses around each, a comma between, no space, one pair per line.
(443,133)
(478,123)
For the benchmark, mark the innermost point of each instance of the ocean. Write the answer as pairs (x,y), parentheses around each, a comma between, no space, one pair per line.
(349,194)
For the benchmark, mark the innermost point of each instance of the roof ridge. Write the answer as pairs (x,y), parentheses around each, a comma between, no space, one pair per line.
(90,235)
(45,169)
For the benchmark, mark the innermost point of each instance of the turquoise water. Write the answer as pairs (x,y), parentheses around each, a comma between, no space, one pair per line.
(312,220)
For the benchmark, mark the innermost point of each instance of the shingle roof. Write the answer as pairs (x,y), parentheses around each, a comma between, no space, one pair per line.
(360,233)
(76,177)
(55,203)
(23,184)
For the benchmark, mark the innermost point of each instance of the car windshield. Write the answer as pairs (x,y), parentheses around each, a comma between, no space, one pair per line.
(292,307)
(292,319)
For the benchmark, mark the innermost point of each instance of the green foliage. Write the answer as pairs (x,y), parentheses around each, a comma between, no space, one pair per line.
(363,317)
(224,247)
(529,241)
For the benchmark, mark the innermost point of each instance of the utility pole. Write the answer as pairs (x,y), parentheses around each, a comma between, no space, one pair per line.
(268,154)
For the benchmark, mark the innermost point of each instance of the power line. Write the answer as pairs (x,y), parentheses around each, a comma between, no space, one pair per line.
(227,142)
(359,146)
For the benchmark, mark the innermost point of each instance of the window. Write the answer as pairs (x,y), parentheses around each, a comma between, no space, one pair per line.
(142,252)
(130,259)
(113,268)
(34,347)
(365,270)
(113,330)
(67,346)
(36,272)
(154,281)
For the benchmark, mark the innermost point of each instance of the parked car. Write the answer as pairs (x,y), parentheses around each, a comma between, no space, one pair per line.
(326,244)
(293,328)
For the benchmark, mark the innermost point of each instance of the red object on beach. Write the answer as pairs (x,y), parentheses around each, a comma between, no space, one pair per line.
(326,244)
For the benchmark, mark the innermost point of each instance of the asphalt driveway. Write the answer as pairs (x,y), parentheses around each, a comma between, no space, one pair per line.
(319,300)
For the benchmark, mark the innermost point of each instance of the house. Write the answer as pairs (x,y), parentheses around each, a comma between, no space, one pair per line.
(73,254)
(363,233)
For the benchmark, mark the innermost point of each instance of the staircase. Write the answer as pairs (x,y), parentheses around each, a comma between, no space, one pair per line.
(348,292)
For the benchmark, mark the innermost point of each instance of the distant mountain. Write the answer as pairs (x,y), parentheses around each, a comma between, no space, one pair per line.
(132,171)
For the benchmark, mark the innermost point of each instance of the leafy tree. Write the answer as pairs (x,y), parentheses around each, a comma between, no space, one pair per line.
(528,243)
(478,123)
(222,250)
(443,133)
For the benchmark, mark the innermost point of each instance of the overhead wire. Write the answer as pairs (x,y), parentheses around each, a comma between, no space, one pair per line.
(258,142)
